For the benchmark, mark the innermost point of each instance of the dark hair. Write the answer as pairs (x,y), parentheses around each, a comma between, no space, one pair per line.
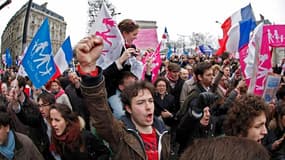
(280,114)
(72,120)
(201,68)
(56,81)
(241,115)
(127,25)
(46,97)
(281,92)
(21,81)
(5,119)
(133,90)
(164,80)
(226,148)
(124,75)
(3,103)
(67,114)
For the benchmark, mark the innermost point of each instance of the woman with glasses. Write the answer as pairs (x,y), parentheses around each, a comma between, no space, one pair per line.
(45,100)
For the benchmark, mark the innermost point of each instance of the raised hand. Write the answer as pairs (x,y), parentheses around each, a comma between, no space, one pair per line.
(88,50)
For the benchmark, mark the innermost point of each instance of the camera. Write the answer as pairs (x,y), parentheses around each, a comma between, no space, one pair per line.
(206,99)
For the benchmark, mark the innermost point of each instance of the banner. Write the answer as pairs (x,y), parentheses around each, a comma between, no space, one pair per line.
(105,27)
(273,36)
(38,60)
(271,87)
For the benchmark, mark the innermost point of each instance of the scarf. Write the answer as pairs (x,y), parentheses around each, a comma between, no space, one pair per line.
(70,135)
(8,150)
(61,92)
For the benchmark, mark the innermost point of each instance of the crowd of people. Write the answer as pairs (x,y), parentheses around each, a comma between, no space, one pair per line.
(197,108)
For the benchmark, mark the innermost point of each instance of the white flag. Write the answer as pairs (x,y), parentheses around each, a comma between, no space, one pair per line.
(106,28)
(252,58)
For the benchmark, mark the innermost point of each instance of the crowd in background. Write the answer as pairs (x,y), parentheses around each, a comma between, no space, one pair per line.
(111,114)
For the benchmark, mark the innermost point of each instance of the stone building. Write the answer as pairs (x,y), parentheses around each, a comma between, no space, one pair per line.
(13,33)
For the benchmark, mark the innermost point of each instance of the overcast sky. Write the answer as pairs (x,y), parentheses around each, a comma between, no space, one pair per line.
(181,17)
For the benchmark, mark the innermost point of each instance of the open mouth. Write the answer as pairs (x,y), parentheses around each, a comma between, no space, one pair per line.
(259,140)
(149,117)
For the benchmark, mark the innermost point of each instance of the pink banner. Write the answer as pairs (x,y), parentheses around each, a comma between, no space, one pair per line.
(273,36)
(147,38)
(242,55)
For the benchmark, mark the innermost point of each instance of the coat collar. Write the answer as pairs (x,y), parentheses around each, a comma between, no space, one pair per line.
(157,124)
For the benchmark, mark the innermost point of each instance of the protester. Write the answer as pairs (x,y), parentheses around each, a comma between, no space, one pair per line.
(126,78)
(247,118)
(36,92)
(14,145)
(129,30)
(190,70)
(69,138)
(26,117)
(138,126)
(176,83)
(164,101)
(204,77)
(78,105)
(225,148)
(60,95)
(274,141)
(45,101)
(4,88)
(184,74)
(203,125)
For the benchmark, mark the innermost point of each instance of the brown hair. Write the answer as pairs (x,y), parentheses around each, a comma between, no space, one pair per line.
(133,90)
(127,25)
(72,128)
(163,79)
(241,115)
(46,97)
(225,148)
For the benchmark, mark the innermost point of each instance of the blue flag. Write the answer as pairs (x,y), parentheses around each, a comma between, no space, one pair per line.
(8,58)
(38,60)
(206,49)
(169,53)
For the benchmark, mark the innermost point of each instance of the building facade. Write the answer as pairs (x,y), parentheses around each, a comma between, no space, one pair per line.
(13,34)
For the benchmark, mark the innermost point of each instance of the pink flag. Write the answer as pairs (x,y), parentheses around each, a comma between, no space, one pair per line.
(106,28)
(273,36)
(156,62)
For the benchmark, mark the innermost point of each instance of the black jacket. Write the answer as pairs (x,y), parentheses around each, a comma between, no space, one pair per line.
(93,149)
(30,122)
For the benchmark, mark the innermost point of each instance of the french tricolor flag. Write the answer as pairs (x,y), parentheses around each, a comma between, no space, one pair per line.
(245,13)
(63,57)
(238,36)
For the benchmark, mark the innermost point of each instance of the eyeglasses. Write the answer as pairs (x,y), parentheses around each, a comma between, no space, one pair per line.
(43,105)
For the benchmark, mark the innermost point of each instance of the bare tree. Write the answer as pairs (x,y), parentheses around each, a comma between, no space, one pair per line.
(94,8)
(197,39)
